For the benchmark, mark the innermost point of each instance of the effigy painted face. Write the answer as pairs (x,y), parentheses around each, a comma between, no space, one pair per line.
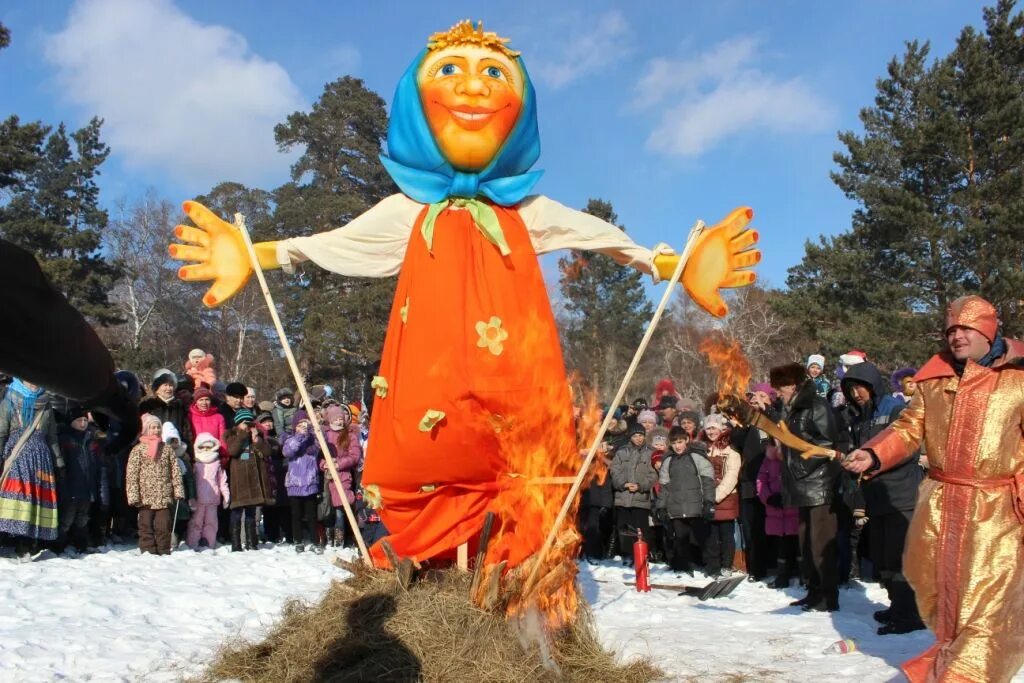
(472,96)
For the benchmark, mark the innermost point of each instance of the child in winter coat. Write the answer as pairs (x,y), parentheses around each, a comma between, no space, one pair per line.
(250,483)
(199,367)
(153,483)
(720,546)
(303,479)
(687,482)
(633,477)
(782,524)
(283,412)
(82,481)
(211,491)
(277,521)
(343,435)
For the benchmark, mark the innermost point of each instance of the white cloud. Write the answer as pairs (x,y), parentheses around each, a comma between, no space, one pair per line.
(179,96)
(586,52)
(721,93)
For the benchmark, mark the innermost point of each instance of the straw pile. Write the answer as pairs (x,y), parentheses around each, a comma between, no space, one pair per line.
(370,628)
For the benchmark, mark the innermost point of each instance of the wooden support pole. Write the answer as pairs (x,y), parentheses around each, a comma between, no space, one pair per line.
(301,386)
(691,241)
(463,557)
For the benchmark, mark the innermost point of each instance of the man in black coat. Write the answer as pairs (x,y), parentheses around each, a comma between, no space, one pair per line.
(810,484)
(889,497)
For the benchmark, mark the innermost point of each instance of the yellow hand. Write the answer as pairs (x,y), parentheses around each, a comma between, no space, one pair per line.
(221,254)
(717,261)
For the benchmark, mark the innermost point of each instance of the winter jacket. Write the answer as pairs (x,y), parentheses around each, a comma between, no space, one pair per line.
(283,418)
(778,521)
(726,464)
(83,460)
(302,452)
(247,471)
(10,421)
(687,484)
(896,488)
(810,482)
(822,386)
(211,421)
(202,373)
(211,483)
(599,493)
(750,442)
(153,483)
(346,458)
(633,464)
(173,411)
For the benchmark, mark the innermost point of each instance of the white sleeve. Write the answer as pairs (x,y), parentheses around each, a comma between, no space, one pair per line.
(370,245)
(554,226)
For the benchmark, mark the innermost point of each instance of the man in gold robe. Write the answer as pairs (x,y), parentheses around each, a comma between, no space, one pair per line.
(965,547)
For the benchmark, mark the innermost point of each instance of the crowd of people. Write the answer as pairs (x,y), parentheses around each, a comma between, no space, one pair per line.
(212,464)
(706,490)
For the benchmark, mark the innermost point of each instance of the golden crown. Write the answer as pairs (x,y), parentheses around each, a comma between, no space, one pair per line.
(465,33)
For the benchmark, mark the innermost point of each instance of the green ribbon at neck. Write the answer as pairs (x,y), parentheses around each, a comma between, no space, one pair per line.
(484,217)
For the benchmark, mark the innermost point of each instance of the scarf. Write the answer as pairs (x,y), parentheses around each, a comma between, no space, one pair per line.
(997,351)
(30,400)
(152,444)
(416,164)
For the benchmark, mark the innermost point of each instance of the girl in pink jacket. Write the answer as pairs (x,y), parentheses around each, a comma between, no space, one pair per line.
(782,524)
(343,434)
(211,491)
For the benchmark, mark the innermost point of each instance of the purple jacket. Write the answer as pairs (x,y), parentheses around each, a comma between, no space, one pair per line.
(779,521)
(345,461)
(302,452)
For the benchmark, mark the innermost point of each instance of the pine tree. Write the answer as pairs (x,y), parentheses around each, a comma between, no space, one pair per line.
(604,311)
(341,321)
(937,175)
(54,212)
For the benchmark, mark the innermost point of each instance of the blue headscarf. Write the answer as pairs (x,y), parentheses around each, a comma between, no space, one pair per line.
(420,170)
(29,398)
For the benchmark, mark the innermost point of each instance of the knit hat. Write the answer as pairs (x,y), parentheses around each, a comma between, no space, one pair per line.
(265,415)
(646,415)
(852,357)
(236,389)
(335,412)
(206,448)
(766,388)
(206,438)
(196,354)
(299,416)
(244,415)
(202,392)
(168,432)
(715,420)
(667,402)
(149,419)
(790,374)
(285,391)
(163,376)
(658,433)
(691,415)
(637,428)
(816,359)
(900,375)
(974,312)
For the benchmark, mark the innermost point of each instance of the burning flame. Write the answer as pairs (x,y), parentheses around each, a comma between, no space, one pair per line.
(541,449)
(727,359)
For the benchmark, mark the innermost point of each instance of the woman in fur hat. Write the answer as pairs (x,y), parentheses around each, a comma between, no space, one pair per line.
(810,484)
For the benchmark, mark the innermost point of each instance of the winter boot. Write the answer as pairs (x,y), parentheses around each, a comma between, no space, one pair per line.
(236,535)
(252,540)
(781,581)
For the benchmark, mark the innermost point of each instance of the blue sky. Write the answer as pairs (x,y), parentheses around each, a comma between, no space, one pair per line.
(672,111)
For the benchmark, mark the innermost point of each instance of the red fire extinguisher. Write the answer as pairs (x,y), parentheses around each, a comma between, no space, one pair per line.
(640,563)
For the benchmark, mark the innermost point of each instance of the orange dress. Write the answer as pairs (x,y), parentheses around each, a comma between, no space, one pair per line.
(471,335)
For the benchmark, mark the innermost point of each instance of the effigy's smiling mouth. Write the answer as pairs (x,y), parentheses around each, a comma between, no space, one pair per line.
(472,115)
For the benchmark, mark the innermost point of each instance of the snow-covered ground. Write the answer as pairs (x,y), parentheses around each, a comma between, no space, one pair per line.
(119,615)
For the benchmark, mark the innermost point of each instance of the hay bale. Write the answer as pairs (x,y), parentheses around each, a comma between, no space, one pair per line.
(370,628)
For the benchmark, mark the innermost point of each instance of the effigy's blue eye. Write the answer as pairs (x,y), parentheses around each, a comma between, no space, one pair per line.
(494,72)
(448,70)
